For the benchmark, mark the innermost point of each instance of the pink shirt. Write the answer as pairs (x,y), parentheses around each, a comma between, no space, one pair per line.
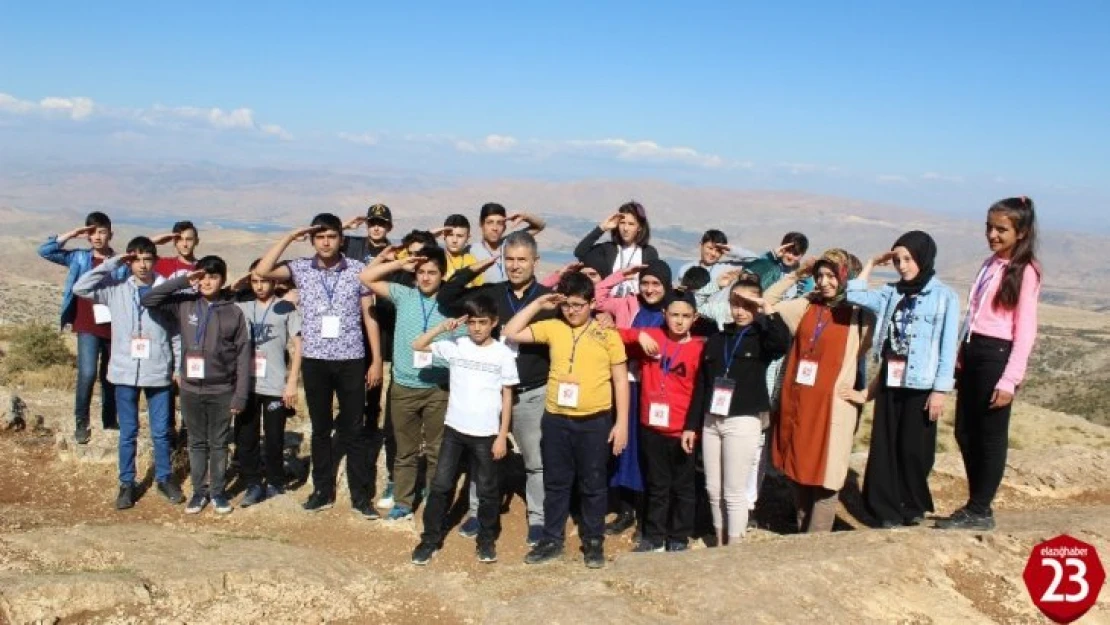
(1018,325)
(623,308)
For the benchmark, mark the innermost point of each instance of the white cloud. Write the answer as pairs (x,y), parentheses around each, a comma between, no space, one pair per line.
(499,143)
(75,108)
(807,168)
(365,138)
(649,151)
(932,175)
(276,131)
(891,179)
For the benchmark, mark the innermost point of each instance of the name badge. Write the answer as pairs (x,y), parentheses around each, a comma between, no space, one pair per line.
(567,396)
(140,348)
(896,372)
(421,360)
(259,365)
(721,402)
(807,372)
(329,327)
(659,415)
(194,367)
(102,314)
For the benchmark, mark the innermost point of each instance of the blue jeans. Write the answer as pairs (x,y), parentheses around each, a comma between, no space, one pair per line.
(161,430)
(92,364)
(575,452)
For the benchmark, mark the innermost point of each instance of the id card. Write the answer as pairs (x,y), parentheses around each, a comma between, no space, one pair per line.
(194,366)
(102,314)
(807,372)
(140,348)
(659,415)
(896,372)
(567,393)
(421,360)
(329,327)
(259,365)
(721,402)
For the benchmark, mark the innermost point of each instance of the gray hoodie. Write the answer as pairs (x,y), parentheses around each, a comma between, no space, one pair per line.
(122,296)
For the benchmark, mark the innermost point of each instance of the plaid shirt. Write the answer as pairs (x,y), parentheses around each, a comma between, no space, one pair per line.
(324,292)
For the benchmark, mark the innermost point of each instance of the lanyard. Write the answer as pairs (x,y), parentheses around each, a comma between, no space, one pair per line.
(731,353)
(426,312)
(523,301)
(258,327)
(495,254)
(202,326)
(626,263)
(139,309)
(329,289)
(822,323)
(574,344)
(666,361)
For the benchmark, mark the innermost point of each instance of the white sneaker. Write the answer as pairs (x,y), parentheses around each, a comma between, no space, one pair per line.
(386,500)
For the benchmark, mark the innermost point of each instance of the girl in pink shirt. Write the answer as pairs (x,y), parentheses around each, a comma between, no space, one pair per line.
(996,339)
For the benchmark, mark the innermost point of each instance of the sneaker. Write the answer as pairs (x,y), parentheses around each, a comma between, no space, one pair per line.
(915,520)
(593,553)
(677,545)
(487,553)
(318,501)
(618,525)
(196,503)
(423,553)
(255,495)
(648,546)
(221,504)
(82,436)
(535,535)
(172,492)
(386,500)
(126,497)
(367,511)
(399,513)
(274,491)
(963,519)
(469,527)
(545,551)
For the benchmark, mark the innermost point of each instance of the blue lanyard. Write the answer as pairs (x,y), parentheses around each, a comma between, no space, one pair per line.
(258,328)
(523,301)
(822,323)
(666,361)
(202,326)
(426,312)
(329,290)
(495,254)
(731,353)
(139,309)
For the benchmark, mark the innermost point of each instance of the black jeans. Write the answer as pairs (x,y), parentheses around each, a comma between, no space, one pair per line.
(981,431)
(575,450)
(267,413)
(669,478)
(903,448)
(454,452)
(345,379)
(208,419)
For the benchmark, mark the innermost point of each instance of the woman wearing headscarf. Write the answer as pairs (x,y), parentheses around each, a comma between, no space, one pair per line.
(812,439)
(916,344)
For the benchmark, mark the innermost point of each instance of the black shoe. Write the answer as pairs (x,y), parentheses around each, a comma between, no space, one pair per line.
(648,546)
(367,511)
(82,436)
(593,553)
(914,521)
(423,553)
(126,497)
(618,525)
(172,492)
(487,553)
(545,551)
(963,519)
(318,501)
(678,545)
(888,525)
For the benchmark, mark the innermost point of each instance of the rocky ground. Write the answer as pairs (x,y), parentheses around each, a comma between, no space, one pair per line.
(67,556)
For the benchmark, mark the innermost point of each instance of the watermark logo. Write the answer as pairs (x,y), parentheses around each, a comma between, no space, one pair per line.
(1064,577)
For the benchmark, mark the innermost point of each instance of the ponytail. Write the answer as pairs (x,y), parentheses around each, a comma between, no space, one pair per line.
(1020,212)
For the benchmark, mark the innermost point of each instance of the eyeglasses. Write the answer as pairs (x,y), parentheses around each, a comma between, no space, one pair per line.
(573,306)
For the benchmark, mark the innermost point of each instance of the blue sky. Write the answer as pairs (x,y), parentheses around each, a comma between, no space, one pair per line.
(939,104)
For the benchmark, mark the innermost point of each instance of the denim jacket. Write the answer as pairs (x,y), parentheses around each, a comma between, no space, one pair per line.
(933,332)
(79,262)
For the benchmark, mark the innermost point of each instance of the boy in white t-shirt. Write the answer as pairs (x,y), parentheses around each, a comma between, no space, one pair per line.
(483,372)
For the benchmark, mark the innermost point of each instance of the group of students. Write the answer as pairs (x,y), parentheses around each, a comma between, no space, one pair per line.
(617,386)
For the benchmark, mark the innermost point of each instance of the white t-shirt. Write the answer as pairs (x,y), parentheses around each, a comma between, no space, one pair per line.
(628,257)
(477,376)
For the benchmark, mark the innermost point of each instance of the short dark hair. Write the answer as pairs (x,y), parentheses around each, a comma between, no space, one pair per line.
(254,264)
(328,221)
(575,284)
(419,236)
(694,279)
(714,236)
(456,221)
(491,208)
(182,226)
(142,245)
(213,265)
(435,254)
(797,240)
(480,307)
(637,211)
(747,280)
(98,219)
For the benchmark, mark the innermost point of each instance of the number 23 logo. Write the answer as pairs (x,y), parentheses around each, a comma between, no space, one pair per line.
(1052,594)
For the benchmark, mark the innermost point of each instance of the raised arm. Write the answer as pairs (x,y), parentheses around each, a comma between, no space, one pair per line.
(88,285)
(535,224)
(423,342)
(591,239)
(452,292)
(270,265)
(374,275)
(517,329)
(53,250)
